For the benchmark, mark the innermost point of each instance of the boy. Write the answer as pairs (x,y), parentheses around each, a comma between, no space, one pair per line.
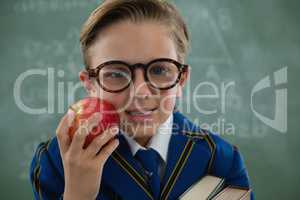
(133,52)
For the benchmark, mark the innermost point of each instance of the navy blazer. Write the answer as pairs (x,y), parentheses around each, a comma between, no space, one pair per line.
(192,153)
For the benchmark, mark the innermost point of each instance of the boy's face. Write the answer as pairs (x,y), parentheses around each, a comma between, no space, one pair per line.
(135,43)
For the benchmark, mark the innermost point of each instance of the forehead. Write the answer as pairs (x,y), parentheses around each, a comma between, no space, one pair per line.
(132,42)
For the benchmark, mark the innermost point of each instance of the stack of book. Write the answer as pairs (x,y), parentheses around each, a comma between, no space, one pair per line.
(212,188)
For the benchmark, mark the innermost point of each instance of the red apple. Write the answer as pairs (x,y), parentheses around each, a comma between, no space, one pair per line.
(85,108)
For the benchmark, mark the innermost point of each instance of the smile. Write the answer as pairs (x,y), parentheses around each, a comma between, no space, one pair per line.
(141,115)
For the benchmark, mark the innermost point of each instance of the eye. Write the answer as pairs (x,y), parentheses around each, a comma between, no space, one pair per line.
(158,70)
(115,74)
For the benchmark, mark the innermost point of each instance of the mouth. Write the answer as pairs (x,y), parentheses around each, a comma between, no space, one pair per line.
(141,112)
(143,115)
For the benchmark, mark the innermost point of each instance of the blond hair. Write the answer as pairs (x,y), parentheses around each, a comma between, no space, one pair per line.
(113,11)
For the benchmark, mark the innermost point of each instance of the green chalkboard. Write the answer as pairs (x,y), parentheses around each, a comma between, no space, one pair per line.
(245,67)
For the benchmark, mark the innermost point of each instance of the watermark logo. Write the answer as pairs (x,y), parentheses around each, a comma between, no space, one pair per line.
(279,122)
(206,98)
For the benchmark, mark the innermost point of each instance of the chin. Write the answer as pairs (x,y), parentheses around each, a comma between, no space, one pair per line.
(137,126)
(140,130)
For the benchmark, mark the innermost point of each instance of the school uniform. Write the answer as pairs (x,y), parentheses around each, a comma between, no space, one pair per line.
(182,154)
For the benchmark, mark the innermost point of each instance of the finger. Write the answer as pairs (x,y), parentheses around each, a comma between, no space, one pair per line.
(83,130)
(62,129)
(100,141)
(107,150)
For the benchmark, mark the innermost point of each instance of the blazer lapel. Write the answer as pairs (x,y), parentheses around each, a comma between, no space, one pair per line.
(187,161)
(122,174)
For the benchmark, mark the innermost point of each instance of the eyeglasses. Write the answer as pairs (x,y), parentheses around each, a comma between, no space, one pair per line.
(115,76)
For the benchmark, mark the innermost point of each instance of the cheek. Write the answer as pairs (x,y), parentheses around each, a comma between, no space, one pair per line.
(167,101)
(119,100)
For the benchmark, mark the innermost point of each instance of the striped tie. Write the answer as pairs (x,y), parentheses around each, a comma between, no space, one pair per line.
(150,160)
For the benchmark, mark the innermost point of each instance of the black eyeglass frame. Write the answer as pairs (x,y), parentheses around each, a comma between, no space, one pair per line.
(94,72)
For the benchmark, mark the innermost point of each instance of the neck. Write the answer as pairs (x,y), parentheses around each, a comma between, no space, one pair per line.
(143,141)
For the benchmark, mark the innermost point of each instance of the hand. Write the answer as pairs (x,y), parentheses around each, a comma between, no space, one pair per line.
(83,167)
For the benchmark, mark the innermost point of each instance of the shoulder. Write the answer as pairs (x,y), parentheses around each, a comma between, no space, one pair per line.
(225,159)
(222,152)
(50,148)
(190,129)
(47,156)
(46,171)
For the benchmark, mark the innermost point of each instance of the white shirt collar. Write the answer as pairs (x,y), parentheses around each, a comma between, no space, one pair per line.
(159,142)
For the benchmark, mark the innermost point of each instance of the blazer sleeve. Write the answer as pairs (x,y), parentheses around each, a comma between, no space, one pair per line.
(47,182)
(47,176)
(229,164)
(238,175)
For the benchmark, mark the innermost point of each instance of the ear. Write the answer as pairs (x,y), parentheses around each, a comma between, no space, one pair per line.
(87,83)
(183,79)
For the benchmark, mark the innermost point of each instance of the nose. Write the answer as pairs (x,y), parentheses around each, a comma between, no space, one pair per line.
(141,88)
